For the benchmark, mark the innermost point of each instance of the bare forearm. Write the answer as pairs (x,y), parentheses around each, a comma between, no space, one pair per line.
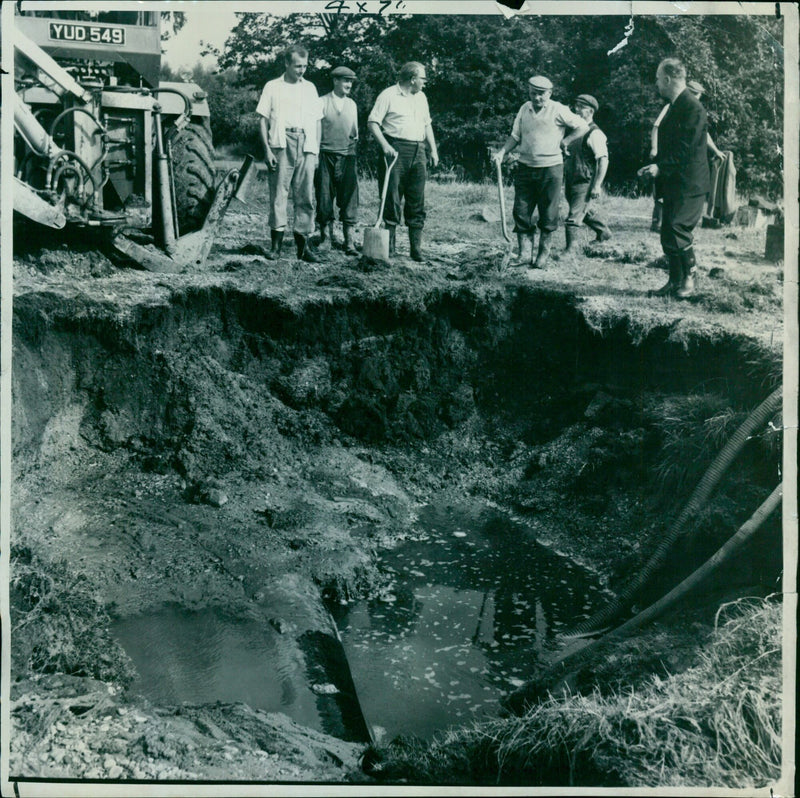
(431,142)
(601,167)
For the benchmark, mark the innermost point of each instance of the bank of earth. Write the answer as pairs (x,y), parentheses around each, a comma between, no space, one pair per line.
(249,438)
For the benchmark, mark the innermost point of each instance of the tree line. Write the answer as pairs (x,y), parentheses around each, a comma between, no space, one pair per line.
(478,68)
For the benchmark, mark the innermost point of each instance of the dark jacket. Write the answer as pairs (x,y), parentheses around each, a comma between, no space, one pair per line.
(682,149)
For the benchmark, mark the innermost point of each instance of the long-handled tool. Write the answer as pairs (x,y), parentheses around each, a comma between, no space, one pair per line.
(507,257)
(376,239)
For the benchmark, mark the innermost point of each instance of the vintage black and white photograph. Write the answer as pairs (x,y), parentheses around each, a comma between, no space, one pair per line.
(398,396)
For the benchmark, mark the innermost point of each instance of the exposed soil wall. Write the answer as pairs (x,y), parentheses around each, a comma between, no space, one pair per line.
(206,443)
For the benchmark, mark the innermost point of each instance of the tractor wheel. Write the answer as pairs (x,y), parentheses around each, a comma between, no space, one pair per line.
(193,172)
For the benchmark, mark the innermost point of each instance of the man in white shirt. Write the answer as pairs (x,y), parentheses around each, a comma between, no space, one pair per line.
(337,176)
(400,121)
(584,171)
(290,113)
(539,129)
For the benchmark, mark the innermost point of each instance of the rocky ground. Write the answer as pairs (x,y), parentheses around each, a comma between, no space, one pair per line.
(255,431)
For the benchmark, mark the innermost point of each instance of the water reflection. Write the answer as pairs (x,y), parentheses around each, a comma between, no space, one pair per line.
(476,604)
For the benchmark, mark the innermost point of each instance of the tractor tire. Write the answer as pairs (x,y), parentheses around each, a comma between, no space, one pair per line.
(193,172)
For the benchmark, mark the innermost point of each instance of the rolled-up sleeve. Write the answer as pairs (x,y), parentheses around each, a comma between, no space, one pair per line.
(515,133)
(379,110)
(570,119)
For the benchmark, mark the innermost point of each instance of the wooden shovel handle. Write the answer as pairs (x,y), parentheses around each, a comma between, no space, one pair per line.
(385,187)
(502,200)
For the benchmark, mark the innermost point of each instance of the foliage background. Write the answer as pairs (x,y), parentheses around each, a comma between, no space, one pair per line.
(478,67)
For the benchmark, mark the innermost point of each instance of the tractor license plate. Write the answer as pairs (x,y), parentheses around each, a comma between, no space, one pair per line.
(93,34)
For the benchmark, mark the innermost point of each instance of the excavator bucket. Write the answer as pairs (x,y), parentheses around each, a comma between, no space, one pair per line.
(191,249)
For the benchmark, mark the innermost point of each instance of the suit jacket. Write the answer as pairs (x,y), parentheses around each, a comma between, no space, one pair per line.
(682,149)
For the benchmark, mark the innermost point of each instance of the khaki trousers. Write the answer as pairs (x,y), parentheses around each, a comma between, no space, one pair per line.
(294,173)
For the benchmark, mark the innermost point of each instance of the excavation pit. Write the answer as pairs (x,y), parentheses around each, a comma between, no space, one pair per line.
(262,445)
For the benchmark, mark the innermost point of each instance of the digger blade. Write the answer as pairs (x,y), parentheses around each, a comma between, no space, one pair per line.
(191,249)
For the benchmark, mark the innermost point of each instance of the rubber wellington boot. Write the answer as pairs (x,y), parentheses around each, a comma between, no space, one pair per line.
(688,269)
(392,239)
(415,243)
(544,251)
(276,242)
(524,250)
(571,234)
(304,249)
(675,274)
(349,244)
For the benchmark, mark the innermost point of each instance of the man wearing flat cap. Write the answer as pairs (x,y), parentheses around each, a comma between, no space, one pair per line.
(538,131)
(337,176)
(681,174)
(584,171)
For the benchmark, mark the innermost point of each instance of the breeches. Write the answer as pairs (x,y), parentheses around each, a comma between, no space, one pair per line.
(406,190)
(537,187)
(337,179)
(293,174)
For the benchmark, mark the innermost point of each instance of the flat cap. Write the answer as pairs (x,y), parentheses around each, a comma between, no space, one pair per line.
(695,87)
(587,99)
(540,82)
(343,72)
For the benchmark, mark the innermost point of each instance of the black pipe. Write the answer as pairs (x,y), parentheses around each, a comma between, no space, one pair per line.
(756,419)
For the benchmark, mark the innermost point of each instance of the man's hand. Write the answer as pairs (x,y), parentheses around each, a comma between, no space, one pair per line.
(389,152)
(498,157)
(653,154)
(651,169)
(434,159)
(594,193)
(270,160)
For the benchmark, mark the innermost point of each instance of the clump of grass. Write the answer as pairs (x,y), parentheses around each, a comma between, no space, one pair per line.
(59,625)
(716,724)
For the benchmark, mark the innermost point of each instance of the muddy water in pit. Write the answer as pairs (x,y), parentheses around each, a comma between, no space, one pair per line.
(205,656)
(475,604)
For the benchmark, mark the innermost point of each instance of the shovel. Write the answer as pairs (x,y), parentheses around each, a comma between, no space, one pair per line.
(376,239)
(507,257)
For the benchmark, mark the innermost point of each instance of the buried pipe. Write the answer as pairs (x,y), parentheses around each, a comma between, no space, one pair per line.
(715,471)
(517,700)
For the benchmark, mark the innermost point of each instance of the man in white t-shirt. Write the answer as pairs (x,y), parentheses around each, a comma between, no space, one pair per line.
(539,129)
(584,171)
(291,114)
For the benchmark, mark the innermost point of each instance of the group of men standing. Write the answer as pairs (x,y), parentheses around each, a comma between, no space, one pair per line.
(310,145)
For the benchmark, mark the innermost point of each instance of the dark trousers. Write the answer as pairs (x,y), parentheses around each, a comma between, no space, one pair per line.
(577,194)
(679,218)
(337,179)
(406,183)
(537,187)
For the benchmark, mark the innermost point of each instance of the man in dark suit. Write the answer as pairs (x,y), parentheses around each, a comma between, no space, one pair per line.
(681,174)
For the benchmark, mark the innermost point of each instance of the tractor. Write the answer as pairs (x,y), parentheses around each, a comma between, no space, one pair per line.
(100,142)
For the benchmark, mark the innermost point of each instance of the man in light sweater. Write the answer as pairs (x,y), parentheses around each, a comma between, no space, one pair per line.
(539,129)
(337,177)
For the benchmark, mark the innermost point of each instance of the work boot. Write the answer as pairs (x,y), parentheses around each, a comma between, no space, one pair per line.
(325,236)
(571,234)
(349,245)
(276,242)
(524,250)
(415,243)
(304,249)
(675,275)
(688,269)
(392,242)
(544,250)
(603,235)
